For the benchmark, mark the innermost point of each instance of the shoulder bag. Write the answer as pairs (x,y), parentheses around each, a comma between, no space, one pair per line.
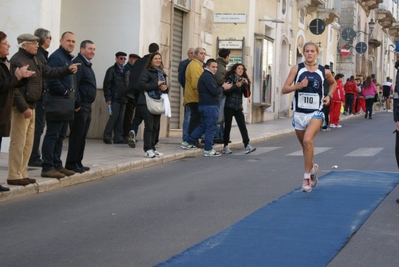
(154,106)
(59,108)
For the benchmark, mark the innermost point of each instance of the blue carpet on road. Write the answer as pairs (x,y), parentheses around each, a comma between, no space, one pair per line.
(299,229)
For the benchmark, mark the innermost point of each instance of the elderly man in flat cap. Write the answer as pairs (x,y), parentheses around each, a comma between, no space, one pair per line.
(23,112)
(8,81)
(115,87)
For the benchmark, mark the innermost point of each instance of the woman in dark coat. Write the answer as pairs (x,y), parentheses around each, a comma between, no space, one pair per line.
(153,81)
(237,75)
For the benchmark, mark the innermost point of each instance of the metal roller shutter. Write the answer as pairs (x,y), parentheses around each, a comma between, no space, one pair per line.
(175,90)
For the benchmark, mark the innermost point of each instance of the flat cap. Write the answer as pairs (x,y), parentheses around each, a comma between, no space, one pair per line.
(27,37)
(121,54)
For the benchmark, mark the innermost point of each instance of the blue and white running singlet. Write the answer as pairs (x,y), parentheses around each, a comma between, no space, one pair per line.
(309,98)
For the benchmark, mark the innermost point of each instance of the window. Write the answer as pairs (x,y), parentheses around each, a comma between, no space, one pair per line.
(263,71)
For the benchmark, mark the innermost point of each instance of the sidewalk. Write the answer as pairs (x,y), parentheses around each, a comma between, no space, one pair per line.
(107,160)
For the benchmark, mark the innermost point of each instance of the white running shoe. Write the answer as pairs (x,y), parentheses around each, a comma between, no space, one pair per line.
(339,126)
(211,153)
(227,150)
(249,149)
(313,177)
(332,125)
(158,154)
(149,154)
(185,145)
(306,186)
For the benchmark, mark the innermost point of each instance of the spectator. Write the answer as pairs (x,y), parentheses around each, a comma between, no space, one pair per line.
(350,92)
(23,113)
(134,89)
(193,72)
(336,100)
(86,94)
(42,56)
(182,80)
(130,105)
(52,166)
(386,94)
(326,109)
(237,76)
(209,93)
(222,60)
(396,112)
(153,81)
(361,103)
(115,87)
(8,80)
(369,90)
(307,104)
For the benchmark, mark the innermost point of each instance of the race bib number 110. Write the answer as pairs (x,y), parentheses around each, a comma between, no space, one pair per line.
(308,100)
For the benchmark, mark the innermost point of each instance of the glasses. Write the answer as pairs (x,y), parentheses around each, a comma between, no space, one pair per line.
(6,43)
(49,37)
(122,58)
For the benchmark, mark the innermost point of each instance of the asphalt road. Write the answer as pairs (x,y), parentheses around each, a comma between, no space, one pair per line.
(145,217)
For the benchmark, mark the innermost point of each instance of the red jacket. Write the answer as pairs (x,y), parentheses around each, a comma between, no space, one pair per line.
(350,87)
(339,94)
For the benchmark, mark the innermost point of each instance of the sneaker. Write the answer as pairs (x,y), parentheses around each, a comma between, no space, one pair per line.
(227,150)
(332,125)
(249,149)
(158,154)
(149,154)
(157,145)
(185,145)
(306,187)
(313,177)
(211,153)
(132,139)
(339,126)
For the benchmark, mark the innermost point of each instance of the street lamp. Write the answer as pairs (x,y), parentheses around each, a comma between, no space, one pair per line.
(348,34)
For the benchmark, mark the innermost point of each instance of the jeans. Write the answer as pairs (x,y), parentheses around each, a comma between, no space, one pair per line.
(138,117)
(128,117)
(209,117)
(195,117)
(369,107)
(186,121)
(77,137)
(326,111)
(39,127)
(240,119)
(115,122)
(151,130)
(52,144)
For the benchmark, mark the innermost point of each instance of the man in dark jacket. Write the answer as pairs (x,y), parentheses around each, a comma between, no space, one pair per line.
(8,81)
(130,105)
(56,130)
(134,89)
(208,106)
(42,56)
(87,89)
(115,87)
(396,112)
(23,114)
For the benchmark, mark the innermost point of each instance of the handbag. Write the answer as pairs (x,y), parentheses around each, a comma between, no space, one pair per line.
(59,108)
(154,106)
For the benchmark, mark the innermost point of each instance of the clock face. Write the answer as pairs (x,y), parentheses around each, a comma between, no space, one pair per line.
(348,34)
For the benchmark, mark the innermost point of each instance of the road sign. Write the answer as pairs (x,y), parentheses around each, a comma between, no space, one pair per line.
(317,26)
(361,47)
(344,51)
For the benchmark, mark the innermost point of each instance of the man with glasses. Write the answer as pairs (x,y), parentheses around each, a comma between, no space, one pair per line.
(23,113)
(8,80)
(42,56)
(115,86)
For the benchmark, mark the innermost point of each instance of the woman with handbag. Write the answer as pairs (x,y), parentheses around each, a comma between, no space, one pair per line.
(152,84)
(237,76)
